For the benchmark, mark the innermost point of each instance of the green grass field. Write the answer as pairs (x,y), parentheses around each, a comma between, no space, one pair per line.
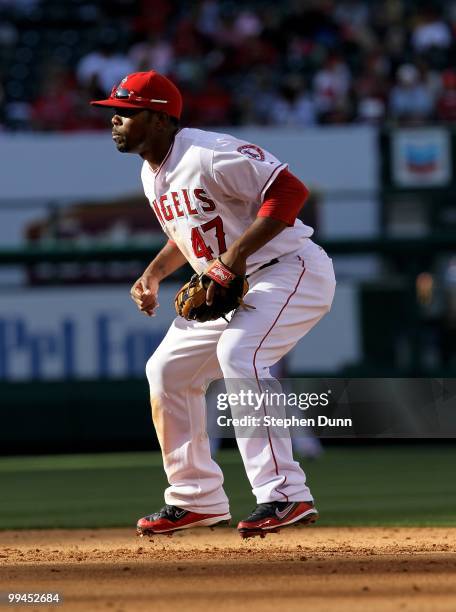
(356,486)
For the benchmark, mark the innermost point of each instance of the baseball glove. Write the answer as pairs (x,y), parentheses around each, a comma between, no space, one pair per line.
(230,288)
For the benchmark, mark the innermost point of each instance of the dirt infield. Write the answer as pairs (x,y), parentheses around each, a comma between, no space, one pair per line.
(321,569)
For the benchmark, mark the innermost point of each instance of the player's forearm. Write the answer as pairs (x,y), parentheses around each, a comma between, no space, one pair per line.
(168,260)
(262,230)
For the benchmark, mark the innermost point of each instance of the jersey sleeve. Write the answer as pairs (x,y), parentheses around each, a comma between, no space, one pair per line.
(244,171)
(284,198)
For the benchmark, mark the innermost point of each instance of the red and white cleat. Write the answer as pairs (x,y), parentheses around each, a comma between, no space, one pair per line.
(273,516)
(172,518)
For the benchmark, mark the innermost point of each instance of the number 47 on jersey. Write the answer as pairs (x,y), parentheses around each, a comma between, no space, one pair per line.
(199,246)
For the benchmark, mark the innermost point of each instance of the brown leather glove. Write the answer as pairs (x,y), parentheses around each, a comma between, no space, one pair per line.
(230,288)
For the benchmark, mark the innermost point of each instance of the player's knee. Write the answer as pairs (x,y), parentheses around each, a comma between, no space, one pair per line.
(152,370)
(225,354)
(234,359)
(160,374)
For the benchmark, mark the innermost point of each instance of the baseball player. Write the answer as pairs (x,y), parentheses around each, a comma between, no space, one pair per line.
(229,208)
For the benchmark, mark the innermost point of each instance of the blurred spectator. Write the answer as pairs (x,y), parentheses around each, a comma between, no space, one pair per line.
(446,105)
(8,34)
(152,15)
(208,105)
(430,31)
(292,105)
(17,115)
(352,13)
(254,51)
(186,38)
(410,101)
(313,19)
(395,43)
(372,88)
(430,77)
(208,19)
(103,68)
(154,53)
(371,111)
(247,24)
(330,87)
(254,96)
(190,70)
(55,108)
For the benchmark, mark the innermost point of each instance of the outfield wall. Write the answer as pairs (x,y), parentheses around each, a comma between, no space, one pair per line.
(90,333)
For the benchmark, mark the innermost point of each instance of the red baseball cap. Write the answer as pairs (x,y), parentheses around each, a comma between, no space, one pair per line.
(145,90)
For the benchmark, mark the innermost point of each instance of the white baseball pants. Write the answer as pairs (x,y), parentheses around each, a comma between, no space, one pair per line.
(290,297)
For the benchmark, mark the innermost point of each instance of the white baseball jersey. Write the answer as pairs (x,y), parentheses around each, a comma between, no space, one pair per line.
(209,189)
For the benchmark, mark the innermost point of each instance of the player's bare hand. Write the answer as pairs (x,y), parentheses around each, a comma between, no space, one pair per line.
(144,293)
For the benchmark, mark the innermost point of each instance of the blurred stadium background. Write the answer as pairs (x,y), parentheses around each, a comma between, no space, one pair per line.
(359,97)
